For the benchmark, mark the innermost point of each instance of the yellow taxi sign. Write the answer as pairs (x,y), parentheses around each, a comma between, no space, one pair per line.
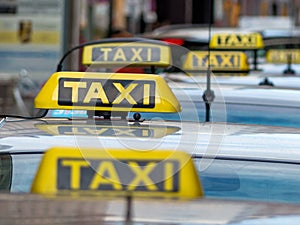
(117,172)
(220,61)
(283,56)
(115,130)
(127,53)
(236,41)
(107,92)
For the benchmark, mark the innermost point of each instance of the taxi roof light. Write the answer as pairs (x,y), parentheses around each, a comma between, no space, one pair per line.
(220,62)
(110,92)
(115,52)
(118,172)
(283,56)
(127,52)
(237,41)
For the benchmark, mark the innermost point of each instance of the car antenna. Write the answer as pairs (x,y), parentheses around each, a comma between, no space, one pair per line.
(289,60)
(208,95)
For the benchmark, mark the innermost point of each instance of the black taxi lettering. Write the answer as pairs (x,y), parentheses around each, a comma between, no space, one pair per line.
(216,61)
(243,40)
(117,175)
(126,54)
(106,93)
(105,131)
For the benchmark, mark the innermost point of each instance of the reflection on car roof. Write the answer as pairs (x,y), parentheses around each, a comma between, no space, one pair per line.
(37,139)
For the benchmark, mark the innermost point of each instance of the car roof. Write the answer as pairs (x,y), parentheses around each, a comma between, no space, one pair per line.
(254,79)
(211,142)
(278,33)
(237,90)
(40,135)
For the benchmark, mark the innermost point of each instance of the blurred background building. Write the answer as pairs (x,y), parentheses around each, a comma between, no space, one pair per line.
(139,16)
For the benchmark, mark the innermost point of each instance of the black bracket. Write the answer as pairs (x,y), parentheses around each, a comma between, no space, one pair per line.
(208,97)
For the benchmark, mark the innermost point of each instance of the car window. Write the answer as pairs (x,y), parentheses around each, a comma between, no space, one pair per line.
(18,171)
(264,115)
(250,179)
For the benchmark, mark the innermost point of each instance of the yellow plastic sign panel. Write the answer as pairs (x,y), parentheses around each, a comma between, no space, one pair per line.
(220,61)
(114,130)
(237,41)
(283,56)
(117,172)
(123,54)
(107,92)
